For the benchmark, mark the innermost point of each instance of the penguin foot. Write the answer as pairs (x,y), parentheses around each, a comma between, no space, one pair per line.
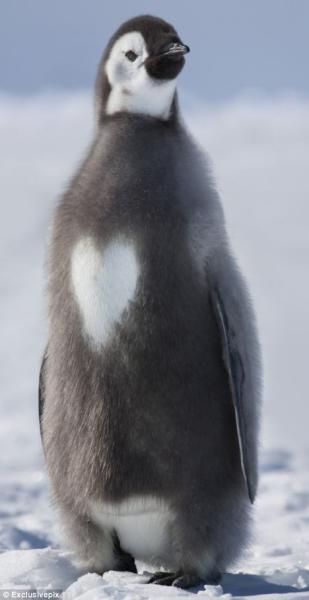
(180,580)
(126,562)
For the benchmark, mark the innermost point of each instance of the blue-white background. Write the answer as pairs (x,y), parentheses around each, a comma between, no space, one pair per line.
(236,44)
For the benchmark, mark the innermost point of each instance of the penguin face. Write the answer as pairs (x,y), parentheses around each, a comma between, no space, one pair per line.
(140,67)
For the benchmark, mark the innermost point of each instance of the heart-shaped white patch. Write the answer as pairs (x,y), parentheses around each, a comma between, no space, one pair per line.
(104,282)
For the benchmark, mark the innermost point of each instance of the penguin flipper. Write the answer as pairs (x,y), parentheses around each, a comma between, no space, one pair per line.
(42,390)
(236,375)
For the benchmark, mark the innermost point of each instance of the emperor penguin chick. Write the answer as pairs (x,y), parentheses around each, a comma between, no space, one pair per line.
(149,387)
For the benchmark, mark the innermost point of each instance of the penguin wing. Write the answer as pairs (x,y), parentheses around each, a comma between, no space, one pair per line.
(42,390)
(240,353)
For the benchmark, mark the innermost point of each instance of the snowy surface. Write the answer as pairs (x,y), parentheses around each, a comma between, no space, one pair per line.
(260,153)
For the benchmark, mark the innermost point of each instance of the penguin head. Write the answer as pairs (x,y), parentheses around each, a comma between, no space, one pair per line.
(139,68)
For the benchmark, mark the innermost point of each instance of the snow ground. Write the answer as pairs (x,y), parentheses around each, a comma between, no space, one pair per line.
(260,154)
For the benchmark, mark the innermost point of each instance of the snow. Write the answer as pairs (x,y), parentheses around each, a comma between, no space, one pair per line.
(259,148)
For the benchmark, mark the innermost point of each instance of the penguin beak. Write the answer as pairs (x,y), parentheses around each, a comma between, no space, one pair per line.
(176,49)
(167,60)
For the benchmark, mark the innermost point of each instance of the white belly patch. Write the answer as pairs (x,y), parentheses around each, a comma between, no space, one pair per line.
(141,525)
(104,282)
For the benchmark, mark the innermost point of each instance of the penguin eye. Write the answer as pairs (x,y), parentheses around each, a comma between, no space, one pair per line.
(131,55)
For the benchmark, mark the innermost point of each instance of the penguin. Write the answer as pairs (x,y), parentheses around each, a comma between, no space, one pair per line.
(149,389)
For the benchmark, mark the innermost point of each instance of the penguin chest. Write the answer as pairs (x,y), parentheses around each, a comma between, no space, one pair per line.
(141,525)
(104,282)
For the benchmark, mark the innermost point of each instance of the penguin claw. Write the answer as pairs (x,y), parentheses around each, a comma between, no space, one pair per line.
(183,581)
(186,580)
(162,578)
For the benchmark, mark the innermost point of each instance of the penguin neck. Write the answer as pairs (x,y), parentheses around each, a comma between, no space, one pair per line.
(153,100)
(142,117)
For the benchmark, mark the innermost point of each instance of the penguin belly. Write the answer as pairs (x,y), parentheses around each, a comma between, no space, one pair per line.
(142,460)
(140,524)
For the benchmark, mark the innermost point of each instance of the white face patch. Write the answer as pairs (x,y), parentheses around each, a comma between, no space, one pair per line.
(104,282)
(141,525)
(132,89)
